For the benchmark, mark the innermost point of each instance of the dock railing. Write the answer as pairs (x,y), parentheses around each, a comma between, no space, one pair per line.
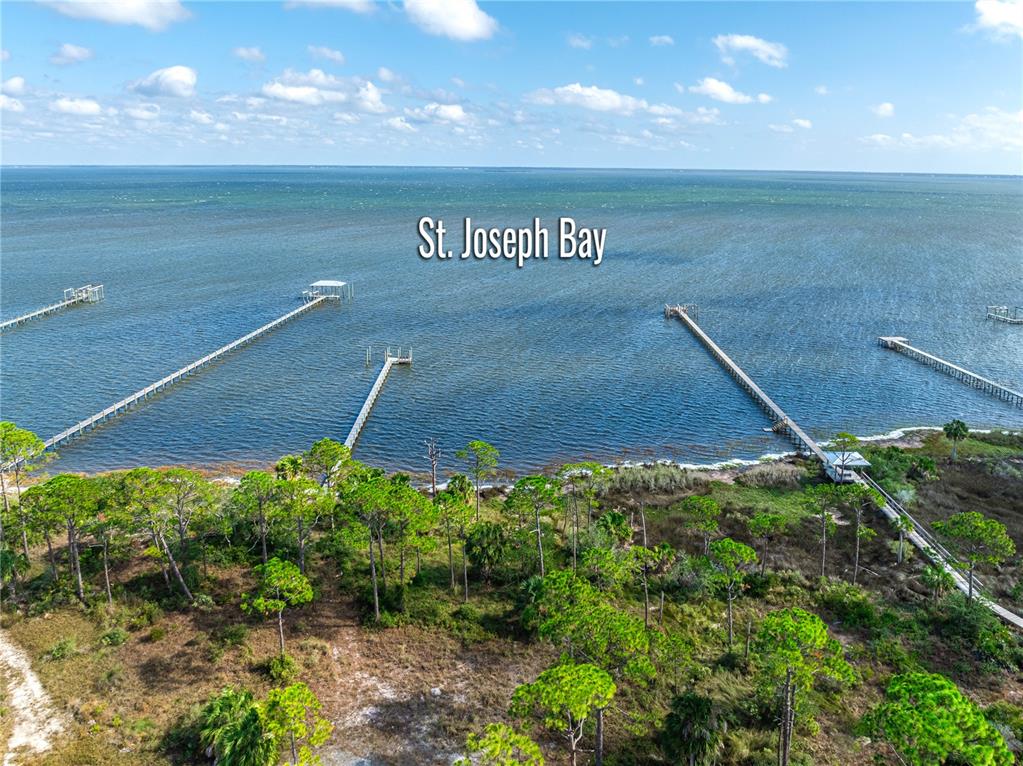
(391,358)
(73,296)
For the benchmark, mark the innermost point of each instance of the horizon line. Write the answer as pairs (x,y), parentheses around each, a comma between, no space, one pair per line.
(19,166)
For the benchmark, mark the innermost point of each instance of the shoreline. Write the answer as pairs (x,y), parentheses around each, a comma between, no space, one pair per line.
(229,472)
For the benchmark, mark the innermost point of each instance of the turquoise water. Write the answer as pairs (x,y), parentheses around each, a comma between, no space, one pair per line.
(796,274)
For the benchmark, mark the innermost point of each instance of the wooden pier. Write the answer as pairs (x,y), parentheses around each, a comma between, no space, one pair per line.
(127,403)
(959,373)
(782,423)
(918,535)
(389,361)
(1002,314)
(73,296)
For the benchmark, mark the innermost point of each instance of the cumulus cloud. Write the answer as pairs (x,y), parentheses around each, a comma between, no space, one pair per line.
(1003,18)
(783,128)
(991,130)
(71,54)
(885,109)
(177,81)
(439,113)
(199,117)
(658,40)
(772,54)
(637,80)
(386,75)
(802,123)
(580,41)
(589,97)
(4,54)
(370,99)
(312,88)
(249,54)
(82,107)
(154,15)
(145,112)
(8,104)
(821,90)
(458,19)
(14,86)
(323,52)
(719,90)
(401,124)
(357,6)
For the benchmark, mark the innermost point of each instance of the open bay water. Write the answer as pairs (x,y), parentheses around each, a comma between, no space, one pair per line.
(795,274)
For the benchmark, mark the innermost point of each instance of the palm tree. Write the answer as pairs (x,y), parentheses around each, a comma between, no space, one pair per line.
(956,431)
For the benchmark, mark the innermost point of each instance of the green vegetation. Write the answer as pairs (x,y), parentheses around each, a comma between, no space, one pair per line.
(663,617)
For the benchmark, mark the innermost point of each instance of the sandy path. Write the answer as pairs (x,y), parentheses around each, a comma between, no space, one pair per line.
(36,722)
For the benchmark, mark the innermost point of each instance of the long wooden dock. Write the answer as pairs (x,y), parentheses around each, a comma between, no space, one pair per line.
(1004,393)
(389,361)
(141,395)
(782,422)
(918,535)
(73,296)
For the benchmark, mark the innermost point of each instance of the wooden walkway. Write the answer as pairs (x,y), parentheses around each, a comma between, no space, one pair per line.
(73,297)
(921,537)
(389,361)
(918,535)
(128,402)
(959,373)
(782,422)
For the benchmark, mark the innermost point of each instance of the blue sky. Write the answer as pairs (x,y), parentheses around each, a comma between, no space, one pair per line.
(923,86)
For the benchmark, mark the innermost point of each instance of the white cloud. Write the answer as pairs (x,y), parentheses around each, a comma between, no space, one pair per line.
(323,52)
(346,118)
(83,107)
(658,40)
(821,90)
(458,81)
(8,104)
(357,6)
(249,54)
(457,19)
(386,75)
(790,128)
(301,94)
(580,41)
(199,117)
(772,54)
(599,99)
(369,99)
(71,54)
(886,109)
(401,124)
(154,15)
(15,86)
(4,54)
(144,112)
(590,97)
(990,130)
(178,81)
(637,80)
(720,90)
(440,113)
(312,88)
(1004,18)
